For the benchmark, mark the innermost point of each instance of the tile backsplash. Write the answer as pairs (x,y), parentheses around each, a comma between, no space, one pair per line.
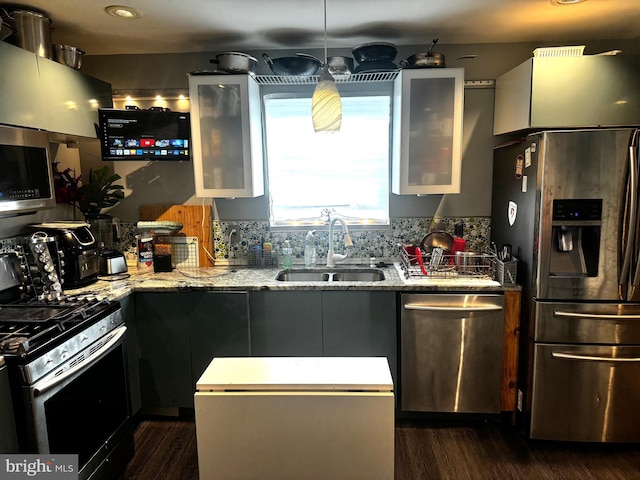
(380,243)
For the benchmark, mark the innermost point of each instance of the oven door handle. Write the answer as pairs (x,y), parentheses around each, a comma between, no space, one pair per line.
(592,358)
(433,308)
(601,316)
(117,334)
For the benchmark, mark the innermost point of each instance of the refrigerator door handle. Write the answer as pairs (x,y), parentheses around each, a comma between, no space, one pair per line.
(633,153)
(592,358)
(595,316)
(630,221)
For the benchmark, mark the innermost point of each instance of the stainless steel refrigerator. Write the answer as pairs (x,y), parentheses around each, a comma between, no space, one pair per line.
(567,204)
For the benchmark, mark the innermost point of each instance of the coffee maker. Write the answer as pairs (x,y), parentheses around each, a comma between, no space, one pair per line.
(78,250)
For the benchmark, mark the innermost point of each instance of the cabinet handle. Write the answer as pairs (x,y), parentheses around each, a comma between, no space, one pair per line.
(433,308)
(603,316)
(592,358)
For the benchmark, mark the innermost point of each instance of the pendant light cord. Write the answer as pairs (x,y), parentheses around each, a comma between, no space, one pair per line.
(325,33)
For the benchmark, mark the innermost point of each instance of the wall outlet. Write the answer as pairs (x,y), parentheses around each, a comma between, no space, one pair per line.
(233,234)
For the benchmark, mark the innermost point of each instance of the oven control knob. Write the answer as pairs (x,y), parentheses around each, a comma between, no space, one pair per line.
(47,360)
(84,339)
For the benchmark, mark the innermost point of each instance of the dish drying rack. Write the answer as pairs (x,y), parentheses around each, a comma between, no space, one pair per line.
(438,263)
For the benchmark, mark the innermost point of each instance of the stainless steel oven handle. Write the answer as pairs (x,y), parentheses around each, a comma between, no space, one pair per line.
(47,385)
(597,316)
(591,358)
(433,308)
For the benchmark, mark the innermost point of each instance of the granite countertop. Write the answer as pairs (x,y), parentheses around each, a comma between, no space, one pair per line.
(246,279)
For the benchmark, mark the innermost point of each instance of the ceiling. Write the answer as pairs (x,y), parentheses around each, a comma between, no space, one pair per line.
(179,26)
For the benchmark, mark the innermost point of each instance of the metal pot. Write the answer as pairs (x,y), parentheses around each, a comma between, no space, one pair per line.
(429,59)
(340,65)
(378,51)
(235,62)
(32,31)
(437,239)
(302,64)
(68,55)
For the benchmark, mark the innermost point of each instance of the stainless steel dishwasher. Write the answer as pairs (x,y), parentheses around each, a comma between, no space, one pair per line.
(451,352)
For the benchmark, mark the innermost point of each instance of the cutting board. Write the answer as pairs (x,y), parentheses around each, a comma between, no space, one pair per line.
(193,221)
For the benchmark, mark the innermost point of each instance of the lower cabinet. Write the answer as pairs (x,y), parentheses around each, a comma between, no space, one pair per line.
(128,307)
(8,435)
(178,336)
(286,323)
(360,324)
(324,323)
(163,341)
(218,327)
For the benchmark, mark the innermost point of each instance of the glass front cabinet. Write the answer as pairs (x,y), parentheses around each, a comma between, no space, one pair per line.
(427,131)
(226,132)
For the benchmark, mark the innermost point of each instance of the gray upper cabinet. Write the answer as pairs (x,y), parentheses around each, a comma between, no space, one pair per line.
(428,105)
(226,129)
(36,92)
(568,92)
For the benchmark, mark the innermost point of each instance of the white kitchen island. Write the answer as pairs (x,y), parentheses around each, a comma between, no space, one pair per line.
(295,418)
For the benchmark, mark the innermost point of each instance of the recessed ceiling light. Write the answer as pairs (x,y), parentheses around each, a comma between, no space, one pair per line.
(120,11)
(566,2)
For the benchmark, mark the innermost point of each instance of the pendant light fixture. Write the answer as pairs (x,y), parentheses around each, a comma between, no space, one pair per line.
(326,106)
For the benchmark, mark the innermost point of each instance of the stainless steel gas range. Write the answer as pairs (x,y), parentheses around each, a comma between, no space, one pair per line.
(66,365)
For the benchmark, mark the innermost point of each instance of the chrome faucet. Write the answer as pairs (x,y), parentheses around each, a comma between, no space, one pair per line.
(333,257)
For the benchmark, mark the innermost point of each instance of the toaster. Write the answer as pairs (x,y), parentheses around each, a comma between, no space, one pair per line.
(112,262)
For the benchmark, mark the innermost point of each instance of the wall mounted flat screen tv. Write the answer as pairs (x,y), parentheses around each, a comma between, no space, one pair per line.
(136,134)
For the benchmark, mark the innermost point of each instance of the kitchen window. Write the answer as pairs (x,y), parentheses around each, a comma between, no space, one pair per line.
(346,172)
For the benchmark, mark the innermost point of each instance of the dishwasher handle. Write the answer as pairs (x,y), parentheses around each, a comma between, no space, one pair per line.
(437,308)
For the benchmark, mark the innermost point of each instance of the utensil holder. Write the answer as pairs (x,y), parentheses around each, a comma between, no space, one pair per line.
(506,272)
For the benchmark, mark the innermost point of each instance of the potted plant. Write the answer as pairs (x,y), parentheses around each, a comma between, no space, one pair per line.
(100,192)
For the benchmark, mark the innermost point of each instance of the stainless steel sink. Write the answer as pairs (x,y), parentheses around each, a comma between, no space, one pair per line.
(302,276)
(332,275)
(359,276)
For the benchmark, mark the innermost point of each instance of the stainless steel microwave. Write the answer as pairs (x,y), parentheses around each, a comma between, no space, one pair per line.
(26,175)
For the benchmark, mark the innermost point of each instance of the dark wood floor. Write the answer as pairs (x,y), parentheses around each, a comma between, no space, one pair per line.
(166,449)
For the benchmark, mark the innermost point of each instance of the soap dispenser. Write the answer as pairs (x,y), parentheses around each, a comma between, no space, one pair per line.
(310,249)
